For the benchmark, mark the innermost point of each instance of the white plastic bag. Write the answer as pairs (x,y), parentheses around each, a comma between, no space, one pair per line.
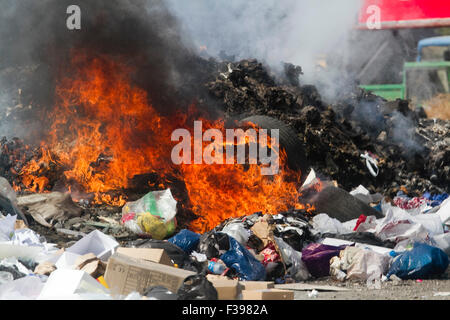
(7,227)
(153,214)
(323,223)
(26,288)
(359,264)
(399,225)
(237,231)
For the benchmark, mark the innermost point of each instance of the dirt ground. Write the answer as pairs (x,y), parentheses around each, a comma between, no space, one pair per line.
(438,289)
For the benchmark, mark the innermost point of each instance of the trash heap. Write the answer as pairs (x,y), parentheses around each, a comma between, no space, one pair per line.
(254,257)
(412,151)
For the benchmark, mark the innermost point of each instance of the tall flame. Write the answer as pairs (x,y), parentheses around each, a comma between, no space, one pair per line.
(104,132)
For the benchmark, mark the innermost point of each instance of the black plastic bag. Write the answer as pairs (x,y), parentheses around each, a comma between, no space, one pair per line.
(197,287)
(160,293)
(214,244)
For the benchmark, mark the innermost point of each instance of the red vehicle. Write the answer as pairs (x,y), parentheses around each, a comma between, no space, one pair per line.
(394,14)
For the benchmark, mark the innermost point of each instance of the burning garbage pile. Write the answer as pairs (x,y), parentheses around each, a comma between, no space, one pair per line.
(96,207)
(220,231)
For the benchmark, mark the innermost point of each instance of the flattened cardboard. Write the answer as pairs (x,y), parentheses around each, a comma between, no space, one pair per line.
(125,274)
(149,254)
(256,285)
(267,294)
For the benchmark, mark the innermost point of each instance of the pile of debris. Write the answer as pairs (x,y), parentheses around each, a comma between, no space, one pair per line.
(412,152)
(254,257)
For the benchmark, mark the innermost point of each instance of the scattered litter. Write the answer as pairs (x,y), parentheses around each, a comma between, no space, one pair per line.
(313,294)
(307,287)
(371,163)
(441,294)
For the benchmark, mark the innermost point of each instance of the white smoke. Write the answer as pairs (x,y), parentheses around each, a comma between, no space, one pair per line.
(296,31)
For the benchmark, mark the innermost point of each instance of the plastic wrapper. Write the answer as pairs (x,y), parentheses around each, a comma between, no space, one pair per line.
(317,257)
(293,260)
(243,262)
(422,262)
(270,254)
(186,240)
(197,287)
(152,215)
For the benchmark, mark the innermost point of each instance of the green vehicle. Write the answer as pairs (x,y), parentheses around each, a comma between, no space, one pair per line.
(423,79)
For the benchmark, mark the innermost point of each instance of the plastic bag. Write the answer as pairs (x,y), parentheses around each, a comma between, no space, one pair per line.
(323,223)
(423,261)
(398,225)
(442,241)
(293,260)
(213,244)
(153,215)
(317,257)
(159,293)
(7,227)
(26,288)
(186,240)
(359,264)
(197,287)
(238,232)
(243,262)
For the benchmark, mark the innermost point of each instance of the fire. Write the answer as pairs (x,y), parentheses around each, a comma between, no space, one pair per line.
(105,131)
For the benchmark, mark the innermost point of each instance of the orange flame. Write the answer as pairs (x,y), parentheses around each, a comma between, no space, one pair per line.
(105,131)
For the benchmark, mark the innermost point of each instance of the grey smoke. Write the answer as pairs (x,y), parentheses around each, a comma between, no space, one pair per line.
(295,31)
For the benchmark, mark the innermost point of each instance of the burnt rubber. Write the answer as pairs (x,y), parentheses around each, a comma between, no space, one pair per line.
(289,141)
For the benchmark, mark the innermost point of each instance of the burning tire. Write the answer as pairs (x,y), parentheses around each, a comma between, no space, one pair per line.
(288,141)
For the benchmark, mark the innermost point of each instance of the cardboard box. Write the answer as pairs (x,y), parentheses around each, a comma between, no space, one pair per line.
(125,274)
(256,285)
(68,284)
(97,243)
(226,289)
(149,254)
(267,294)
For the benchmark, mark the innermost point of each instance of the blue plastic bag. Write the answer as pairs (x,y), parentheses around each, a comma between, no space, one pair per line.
(422,262)
(241,260)
(436,199)
(186,240)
